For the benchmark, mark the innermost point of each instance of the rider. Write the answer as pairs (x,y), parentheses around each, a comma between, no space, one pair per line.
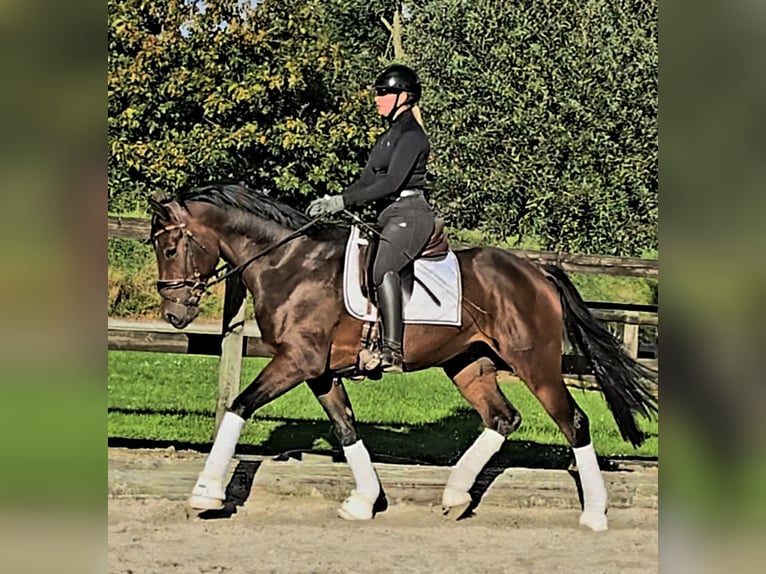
(395,170)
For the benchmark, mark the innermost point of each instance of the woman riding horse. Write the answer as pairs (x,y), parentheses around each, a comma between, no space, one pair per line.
(396,167)
(513,314)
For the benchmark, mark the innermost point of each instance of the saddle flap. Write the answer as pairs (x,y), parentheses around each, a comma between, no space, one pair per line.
(368,247)
(436,293)
(437,245)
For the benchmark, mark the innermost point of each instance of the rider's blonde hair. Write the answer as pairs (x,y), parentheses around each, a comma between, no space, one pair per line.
(418,116)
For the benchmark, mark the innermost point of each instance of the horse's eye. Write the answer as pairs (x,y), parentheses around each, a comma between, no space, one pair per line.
(170,252)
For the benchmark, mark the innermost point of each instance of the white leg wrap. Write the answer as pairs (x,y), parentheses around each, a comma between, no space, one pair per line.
(593,489)
(367,483)
(208,492)
(359,505)
(464,473)
(218,460)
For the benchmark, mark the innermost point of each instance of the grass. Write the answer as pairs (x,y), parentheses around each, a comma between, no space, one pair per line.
(163,398)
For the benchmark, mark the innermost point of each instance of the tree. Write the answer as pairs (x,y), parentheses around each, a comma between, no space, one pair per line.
(543,118)
(266,93)
(542,114)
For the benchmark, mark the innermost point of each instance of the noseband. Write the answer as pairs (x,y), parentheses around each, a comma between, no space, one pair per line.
(195,282)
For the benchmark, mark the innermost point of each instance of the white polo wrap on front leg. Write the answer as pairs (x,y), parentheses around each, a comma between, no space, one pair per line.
(359,505)
(208,492)
(218,460)
(464,473)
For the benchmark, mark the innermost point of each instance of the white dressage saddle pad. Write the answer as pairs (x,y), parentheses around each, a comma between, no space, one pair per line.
(436,294)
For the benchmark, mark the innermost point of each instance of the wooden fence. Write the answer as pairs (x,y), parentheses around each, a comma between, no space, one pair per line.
(135,228)
(237,337)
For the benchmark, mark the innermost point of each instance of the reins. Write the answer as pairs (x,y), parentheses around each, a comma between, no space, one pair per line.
(196,283)
(239,268)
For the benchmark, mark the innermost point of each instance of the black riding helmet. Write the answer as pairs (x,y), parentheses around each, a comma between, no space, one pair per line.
(400,78)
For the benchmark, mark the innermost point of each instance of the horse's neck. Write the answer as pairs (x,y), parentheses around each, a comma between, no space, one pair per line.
(242,236)
(238,248)
(265,252)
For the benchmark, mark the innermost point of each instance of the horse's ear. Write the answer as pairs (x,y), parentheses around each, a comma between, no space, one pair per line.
(160,210)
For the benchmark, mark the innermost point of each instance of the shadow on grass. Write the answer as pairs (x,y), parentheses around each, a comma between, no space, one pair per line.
(440,444)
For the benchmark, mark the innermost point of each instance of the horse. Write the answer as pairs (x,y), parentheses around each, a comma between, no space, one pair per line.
(515,315)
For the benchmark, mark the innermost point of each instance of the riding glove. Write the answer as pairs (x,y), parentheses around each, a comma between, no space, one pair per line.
(326,205)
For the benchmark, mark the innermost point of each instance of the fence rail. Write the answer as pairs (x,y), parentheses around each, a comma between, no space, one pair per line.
(137,228)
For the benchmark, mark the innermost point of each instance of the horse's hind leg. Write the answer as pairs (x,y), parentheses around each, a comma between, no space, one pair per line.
(542,374)
(477,382)
(366,499)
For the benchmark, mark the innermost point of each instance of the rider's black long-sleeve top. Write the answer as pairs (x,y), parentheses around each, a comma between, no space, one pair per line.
(397,162)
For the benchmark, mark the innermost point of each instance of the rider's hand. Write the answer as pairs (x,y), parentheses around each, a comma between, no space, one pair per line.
(326,205)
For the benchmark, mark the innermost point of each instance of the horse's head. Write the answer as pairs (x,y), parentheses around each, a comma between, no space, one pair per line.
(187,253)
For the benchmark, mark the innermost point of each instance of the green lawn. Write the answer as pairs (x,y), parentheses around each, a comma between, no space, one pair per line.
(420,416)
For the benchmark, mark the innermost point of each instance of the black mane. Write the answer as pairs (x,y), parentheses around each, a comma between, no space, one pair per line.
(259,203)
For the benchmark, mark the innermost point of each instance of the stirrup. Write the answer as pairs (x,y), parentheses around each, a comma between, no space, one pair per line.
(391,361)
(369,360)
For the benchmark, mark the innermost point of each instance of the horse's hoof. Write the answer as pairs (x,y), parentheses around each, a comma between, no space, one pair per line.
(454,497)
(596,521)
(356,507)
(455,512)
(455,503)
(205,503)
(207,494)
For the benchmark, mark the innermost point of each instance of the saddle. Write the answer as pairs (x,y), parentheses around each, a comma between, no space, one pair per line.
(436,248)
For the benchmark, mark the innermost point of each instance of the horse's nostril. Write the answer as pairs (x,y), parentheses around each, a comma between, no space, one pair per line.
(172,319)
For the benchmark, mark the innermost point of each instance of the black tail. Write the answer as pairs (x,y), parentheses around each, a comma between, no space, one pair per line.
(624,381)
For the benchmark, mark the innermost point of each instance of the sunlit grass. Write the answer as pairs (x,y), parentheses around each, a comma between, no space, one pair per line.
(165,397)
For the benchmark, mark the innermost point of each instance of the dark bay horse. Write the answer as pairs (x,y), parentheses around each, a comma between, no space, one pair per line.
(514,316)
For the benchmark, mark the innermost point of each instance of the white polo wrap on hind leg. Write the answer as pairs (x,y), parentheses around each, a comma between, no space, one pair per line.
(593,489)
(464,473)
(358,458)
(359,505)
(208,491)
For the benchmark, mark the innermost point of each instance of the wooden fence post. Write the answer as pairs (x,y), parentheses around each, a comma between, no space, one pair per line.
(230,366)
(630,334)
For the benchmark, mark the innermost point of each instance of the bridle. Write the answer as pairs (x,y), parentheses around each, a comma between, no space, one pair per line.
(194,281)
(199,285)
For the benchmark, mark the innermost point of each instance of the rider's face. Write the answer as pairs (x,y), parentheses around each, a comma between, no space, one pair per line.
(385,101)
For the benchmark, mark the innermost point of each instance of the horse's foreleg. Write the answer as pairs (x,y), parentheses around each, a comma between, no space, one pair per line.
(331,394)
(209,492)
(284,372)
(477,383)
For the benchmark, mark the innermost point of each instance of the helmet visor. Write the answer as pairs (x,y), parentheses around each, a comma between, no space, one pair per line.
(385,90)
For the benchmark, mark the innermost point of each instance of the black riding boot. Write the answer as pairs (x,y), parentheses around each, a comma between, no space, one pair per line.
(391,325)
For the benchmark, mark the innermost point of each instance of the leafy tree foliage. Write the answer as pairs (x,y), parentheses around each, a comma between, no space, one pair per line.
(542,113)
(543,118)
(267,93)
